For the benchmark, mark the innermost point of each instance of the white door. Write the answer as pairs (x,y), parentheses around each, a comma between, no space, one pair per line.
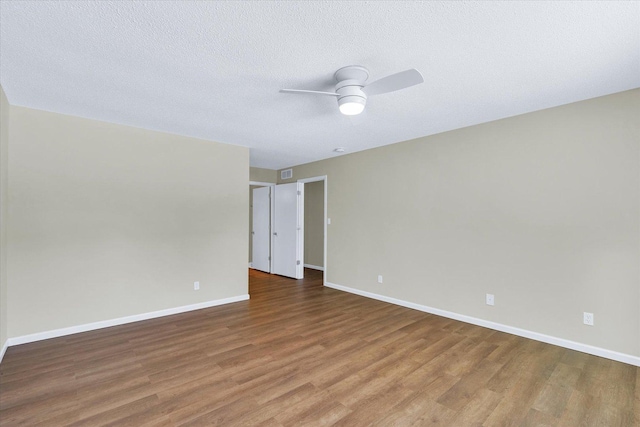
(288,234)
(261,229)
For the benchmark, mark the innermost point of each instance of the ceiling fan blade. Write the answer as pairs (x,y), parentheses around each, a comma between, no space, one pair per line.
(394,82)
(316,92)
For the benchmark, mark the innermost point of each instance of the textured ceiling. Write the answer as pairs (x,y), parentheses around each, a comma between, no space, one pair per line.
(213,69)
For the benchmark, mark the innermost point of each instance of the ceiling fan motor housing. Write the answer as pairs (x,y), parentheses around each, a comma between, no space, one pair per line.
(351,80)
(350,88)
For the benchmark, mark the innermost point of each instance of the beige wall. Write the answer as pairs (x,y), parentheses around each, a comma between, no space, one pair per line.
(314,223)
(263,175)
(4,147)
(542,210)
(109,221)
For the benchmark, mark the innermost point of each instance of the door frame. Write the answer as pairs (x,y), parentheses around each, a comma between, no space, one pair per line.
(261,184)
(316,179)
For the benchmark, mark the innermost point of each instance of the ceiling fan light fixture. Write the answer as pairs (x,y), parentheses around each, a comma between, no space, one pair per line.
(351,105)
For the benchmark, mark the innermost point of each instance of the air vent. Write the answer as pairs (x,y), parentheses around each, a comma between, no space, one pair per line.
(286,174)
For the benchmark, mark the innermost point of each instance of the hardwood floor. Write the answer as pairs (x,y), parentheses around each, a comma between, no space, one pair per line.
(299,353)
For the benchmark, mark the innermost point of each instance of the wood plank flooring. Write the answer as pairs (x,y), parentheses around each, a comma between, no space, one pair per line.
(299,353)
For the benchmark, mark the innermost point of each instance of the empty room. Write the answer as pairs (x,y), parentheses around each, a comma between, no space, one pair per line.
(277,213)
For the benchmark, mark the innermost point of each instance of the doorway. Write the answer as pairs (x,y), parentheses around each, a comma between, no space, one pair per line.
(318,186)
(253,185)
(277,229)
(297,220)
(314,225)
(260,243)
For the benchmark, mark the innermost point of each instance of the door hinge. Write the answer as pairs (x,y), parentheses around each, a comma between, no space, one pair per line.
(269,258)
(298,262)
(299,193)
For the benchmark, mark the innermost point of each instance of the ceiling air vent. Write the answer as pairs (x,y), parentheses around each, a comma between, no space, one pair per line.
(286,174)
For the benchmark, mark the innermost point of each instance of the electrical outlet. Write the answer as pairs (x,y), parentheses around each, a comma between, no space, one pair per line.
(196,286)
(379,278)
(490,299)
(588,318)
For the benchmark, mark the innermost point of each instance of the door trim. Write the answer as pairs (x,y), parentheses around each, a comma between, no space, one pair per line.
(272,225)
(300,232)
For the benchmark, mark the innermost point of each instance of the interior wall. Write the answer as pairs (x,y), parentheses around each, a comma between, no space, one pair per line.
(542,210)
(314,223)
(108,221)
(4,150)
(263,175)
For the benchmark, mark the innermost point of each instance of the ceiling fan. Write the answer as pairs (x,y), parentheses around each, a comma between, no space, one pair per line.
(352,91)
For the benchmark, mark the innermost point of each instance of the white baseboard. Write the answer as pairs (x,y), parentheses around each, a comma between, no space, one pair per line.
(561,342)
(314,267)
(119,321)
(5,345)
